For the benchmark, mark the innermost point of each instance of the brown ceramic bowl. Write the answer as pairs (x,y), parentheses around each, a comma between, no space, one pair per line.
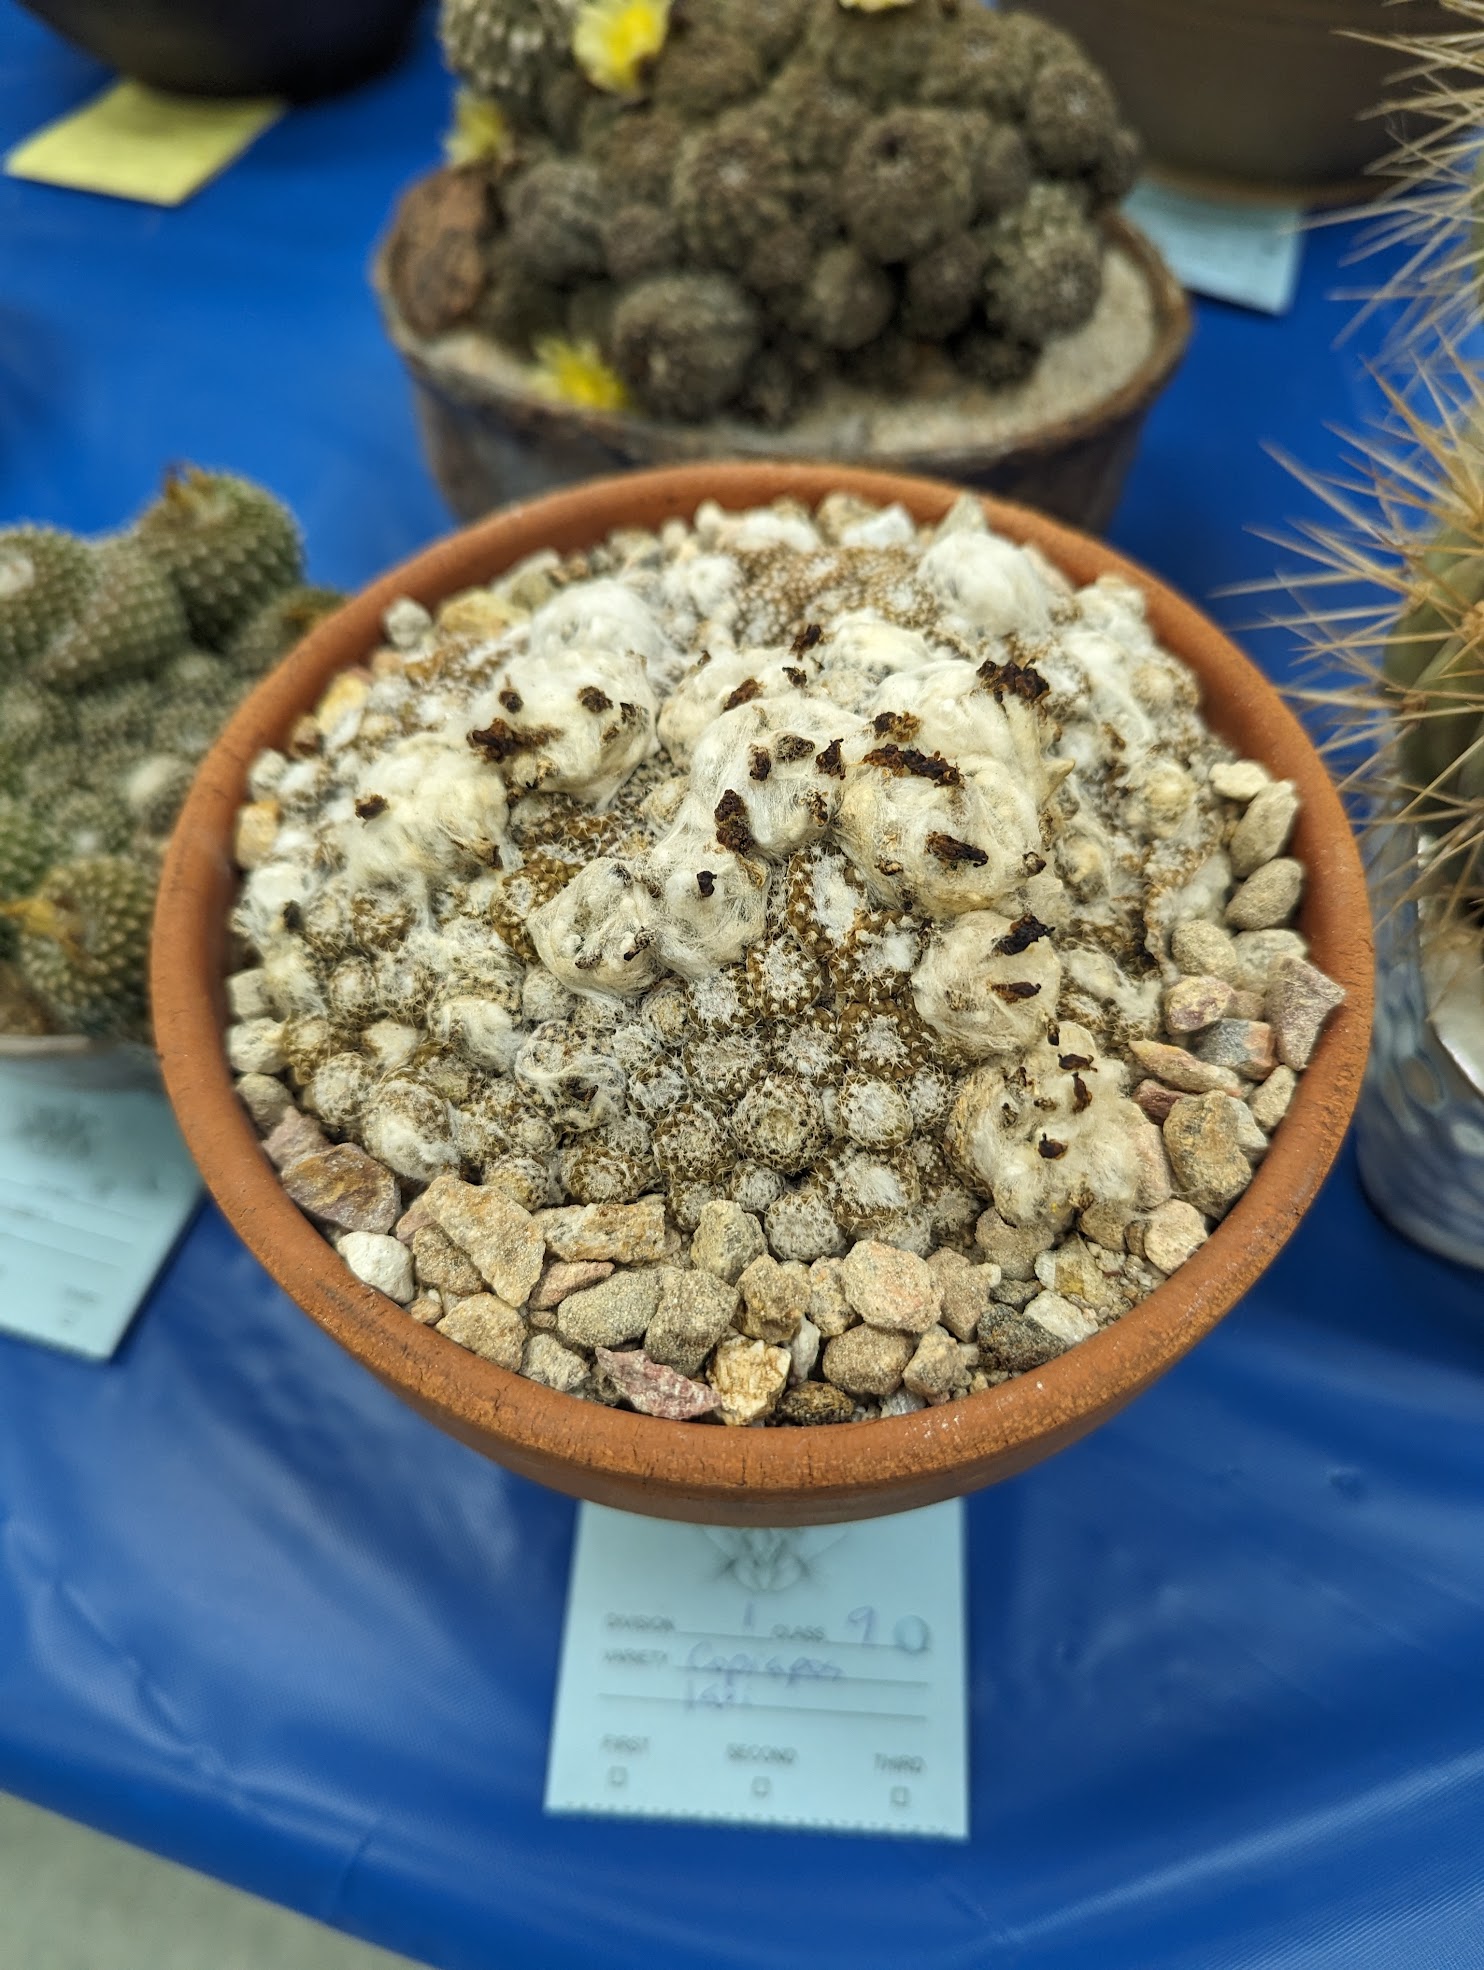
(711,1474)
(490,439)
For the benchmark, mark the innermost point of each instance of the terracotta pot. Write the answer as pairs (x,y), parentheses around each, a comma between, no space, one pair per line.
(1271,94)
(489,443)
(712,1474)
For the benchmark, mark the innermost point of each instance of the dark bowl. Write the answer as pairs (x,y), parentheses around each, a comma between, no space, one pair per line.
(293,48)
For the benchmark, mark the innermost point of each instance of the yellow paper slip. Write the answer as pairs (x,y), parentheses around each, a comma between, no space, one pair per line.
(139,143)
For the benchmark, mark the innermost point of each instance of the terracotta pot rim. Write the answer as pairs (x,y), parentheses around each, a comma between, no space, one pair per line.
(764,1475)
(622,430)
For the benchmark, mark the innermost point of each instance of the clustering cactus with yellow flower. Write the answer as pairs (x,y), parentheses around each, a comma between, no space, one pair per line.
(721,203)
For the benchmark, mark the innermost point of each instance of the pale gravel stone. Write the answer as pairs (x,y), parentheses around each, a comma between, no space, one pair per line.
(968,1290)
(1013,1248)
(1263,831)
(1240,779)
(254,833)
(618,1310)
(695,1310)
(439,1262)
(1074,1270)
(748,1377)
(829,1309)
(248,996)
(1061,1319)
(727,1239)
(255,1046)
(775,1299)
(1259,950)
(1300,998)
(267,1100)
(427,1309)
(1250,1138)
(1154,1179)
(1269,1103)
(1205,950)
(503,1240)
(1244,1045)
(890,1288)
(654,1389)
(803,1352)
(381,1262)
(631,1233)
(1017,1292)
(902,1402)
(556,1366)
(419,1213)
(1179,1068)
(1267,900)
(1104,1225)
(487,1327)
(1205,1151)
(937,1371)
(344,1186)
(867,1360)
(542,1320)
(1248,1005)
(564,1277)
(1172,1233)
(1198,1002)
(294,1135)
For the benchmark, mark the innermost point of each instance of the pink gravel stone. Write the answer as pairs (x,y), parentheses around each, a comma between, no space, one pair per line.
(563,1278)
(654,1389)
(1244,1045)
(1299,1000)
(292,1136)
(344,1186)
(1155,1099)
(1179,1069)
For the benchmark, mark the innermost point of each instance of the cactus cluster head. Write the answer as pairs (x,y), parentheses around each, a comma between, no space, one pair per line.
(119,662)
(731,198)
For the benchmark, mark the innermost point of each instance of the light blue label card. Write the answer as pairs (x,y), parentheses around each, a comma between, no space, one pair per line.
(95,1186)
(807,1678)
(1250,254)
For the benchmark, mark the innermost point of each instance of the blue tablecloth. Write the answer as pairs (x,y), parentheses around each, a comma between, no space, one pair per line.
(1228,1707)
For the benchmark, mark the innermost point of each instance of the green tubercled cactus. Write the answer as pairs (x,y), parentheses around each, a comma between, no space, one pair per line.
(130,624)
(117,715)
(32,720)
(155,790)
(556,221)
(703,71)
(1071,118)
(876,179)
(90,821)
(850,299)
(45,580)
(278,626)
(226,544)
(84,941)
(27,851)
(640,240)
(58,770)
(908,184)
(506,49)
(732,190)
(683,343)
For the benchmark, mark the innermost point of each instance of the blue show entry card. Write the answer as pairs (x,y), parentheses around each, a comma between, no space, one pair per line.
(1246,253)
(810,1678)
(95,1186)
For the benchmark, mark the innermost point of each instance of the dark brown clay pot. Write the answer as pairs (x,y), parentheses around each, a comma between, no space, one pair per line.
(489,443)
(1268,94)
(293,48)
(713,1474)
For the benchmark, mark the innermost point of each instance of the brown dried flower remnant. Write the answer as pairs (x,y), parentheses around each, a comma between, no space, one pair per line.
(903,726)
(1014,680)
(512,700)
(1021,935)
(706,882)
(921,765)
(744,694)
(1051,1150)
(760,763)
(593,700)
(370,806)
(732,830)
(789,747)
(951,851)
(811,634)
(1015,990)
(829,761)
(499,741)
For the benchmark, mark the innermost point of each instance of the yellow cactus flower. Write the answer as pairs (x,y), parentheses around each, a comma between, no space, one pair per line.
(480,129)
(613,41)
(873,6)
(576,373)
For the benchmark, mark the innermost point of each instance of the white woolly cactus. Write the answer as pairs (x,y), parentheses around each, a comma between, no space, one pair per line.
(778,875)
